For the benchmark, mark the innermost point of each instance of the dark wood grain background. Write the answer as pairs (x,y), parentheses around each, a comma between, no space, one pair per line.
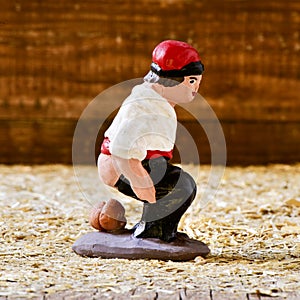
(56,56)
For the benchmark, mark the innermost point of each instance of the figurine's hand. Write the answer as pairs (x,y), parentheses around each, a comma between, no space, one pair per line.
(147,194)
(140,181)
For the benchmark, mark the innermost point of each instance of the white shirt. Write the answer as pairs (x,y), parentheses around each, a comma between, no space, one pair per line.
(145,121)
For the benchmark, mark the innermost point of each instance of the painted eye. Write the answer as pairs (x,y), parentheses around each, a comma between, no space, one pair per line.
(192,81)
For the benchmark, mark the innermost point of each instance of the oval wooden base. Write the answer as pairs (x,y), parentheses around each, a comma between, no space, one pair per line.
(125,245)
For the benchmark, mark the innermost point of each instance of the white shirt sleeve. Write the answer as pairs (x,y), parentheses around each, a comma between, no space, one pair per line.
(144,122)
(128,142)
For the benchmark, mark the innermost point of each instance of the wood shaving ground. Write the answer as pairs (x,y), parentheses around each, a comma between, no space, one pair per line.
(252,227)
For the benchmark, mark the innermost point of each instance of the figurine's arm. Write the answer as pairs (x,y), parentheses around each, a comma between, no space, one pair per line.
(140,181)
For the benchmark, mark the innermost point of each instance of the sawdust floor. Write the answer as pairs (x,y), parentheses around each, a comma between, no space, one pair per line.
(252,227)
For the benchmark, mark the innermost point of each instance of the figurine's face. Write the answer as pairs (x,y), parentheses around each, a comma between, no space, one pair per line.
(185,91)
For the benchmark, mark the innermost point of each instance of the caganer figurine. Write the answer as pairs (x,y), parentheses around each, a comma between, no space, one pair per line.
(137,147)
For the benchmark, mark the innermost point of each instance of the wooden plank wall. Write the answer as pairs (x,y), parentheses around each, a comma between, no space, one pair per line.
(56,56)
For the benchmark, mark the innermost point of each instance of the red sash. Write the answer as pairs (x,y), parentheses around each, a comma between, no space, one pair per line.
(150,153)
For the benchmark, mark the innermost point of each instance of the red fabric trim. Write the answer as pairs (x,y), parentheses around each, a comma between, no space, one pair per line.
(105,146)
(150,153)
(156,153)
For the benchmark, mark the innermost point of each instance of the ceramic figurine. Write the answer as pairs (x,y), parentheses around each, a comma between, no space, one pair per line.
(138,145)
(174,78)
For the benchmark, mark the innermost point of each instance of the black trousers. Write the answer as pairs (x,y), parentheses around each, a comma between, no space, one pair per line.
(175,191)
